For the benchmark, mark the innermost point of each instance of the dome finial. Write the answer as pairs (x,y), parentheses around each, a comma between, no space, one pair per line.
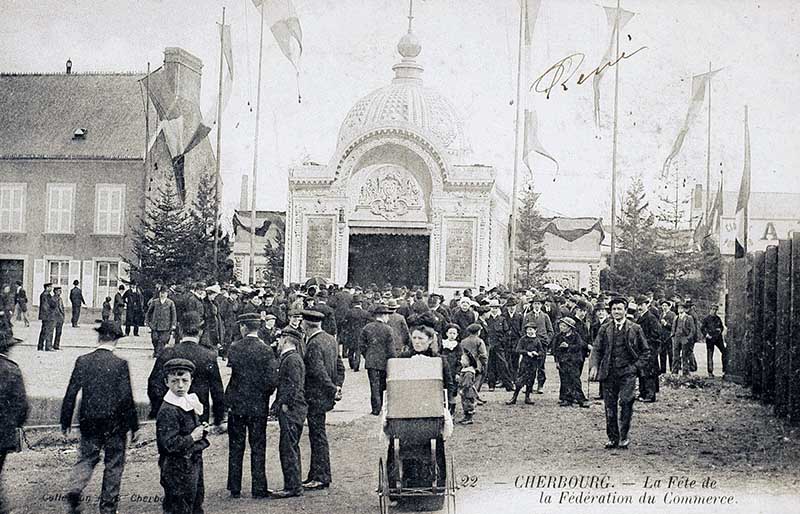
(409,46)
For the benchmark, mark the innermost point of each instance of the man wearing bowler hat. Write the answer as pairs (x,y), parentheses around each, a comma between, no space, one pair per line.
(12,398)
(253,380)
(324,379)
(107,413)
(620,353)
(377,346)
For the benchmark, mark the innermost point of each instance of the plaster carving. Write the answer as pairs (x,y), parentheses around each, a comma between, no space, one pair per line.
(390,192)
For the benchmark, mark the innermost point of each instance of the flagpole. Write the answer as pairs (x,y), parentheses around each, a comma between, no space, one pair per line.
(255,155)
(512,246)
(746,221)
(708,150)
(614,157)
(146,139)
(219,146)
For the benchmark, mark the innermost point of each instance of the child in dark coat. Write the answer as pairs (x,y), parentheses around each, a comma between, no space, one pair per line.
(107,309)
(181,439)
(529,350)
(466,380)
(451,352)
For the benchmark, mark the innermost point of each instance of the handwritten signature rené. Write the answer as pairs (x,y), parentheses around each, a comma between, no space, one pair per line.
(562,71)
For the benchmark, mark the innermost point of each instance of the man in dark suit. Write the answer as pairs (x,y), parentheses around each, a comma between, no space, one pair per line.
(12,398)
(292,411)
(206,380)
(58,317)
(134,312)
(350,335)
(76,299)
(324,379)
(402,335)
(619,353)
(119,305)
(651,328)
(321,305)
(161,317)
(254,372)
(377,347)
(341,307)
(46,307)
(106,415)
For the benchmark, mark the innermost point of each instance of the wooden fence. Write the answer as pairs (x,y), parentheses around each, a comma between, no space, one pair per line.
(763,319)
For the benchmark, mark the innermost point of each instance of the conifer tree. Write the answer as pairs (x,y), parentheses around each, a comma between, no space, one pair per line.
(202,224)
(531,259)
(158,243)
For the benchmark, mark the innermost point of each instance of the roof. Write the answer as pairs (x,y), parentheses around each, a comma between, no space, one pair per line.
(41,112)
(770,206)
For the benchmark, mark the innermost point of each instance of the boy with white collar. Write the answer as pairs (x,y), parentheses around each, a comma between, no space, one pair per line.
(181,439)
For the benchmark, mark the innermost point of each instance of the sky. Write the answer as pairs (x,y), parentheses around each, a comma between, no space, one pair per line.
(469,52)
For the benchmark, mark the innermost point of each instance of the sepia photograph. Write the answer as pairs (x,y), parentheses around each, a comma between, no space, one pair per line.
(387,256)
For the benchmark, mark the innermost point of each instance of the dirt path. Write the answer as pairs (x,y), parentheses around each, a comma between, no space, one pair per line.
(712,432)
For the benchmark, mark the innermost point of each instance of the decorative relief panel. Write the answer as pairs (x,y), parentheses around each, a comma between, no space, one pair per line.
(459,251)
(319,247)
(390,192)
(566,279)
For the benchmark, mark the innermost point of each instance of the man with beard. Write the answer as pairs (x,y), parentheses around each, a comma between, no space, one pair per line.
(619,353)
(648,377)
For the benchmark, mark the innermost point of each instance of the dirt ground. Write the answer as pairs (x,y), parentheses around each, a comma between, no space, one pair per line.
(711,431)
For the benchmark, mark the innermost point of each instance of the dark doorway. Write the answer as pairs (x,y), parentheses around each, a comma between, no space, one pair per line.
(11,270)
(382,258)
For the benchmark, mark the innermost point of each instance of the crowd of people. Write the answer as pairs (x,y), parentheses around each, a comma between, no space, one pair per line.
(291,344)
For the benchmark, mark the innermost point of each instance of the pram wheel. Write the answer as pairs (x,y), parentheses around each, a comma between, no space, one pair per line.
(383,487)
(450,492)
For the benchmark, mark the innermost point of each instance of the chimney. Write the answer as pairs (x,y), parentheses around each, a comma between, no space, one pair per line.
(69,66)
(243,204)
(184,70)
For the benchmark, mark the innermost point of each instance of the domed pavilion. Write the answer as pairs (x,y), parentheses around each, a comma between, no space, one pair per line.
(400,201)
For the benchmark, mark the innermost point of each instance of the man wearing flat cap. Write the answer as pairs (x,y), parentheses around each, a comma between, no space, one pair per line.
(12,398)
(254,376)
(206,381)
(619,354)
(324,379)
(107,413)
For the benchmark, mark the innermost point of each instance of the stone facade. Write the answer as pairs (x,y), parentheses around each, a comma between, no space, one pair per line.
(398,169)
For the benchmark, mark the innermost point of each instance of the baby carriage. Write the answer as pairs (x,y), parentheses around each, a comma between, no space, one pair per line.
(415,470)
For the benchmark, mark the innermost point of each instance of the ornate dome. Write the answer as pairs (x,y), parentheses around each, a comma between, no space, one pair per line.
(406,103)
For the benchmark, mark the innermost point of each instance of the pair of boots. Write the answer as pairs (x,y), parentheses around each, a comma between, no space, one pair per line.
(513,399)
(466,420)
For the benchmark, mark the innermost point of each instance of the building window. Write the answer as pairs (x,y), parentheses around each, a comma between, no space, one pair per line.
(12,207)
(60,202)
(109,208)
(107,280)
(58,273)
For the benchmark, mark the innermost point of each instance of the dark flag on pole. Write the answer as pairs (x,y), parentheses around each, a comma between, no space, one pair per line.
(744,197)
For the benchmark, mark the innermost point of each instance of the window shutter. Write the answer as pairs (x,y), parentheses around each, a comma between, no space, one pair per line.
(74,272)
(66,210)
(87,282)
(38,281)
(115,212)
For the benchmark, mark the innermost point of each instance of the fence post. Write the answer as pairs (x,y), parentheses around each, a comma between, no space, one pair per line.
(770,304)
(782,327)
(746,354)
(794,333)
(758,325)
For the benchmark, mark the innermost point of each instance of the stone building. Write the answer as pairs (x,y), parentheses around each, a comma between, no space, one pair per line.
(72,172)
(399,201)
